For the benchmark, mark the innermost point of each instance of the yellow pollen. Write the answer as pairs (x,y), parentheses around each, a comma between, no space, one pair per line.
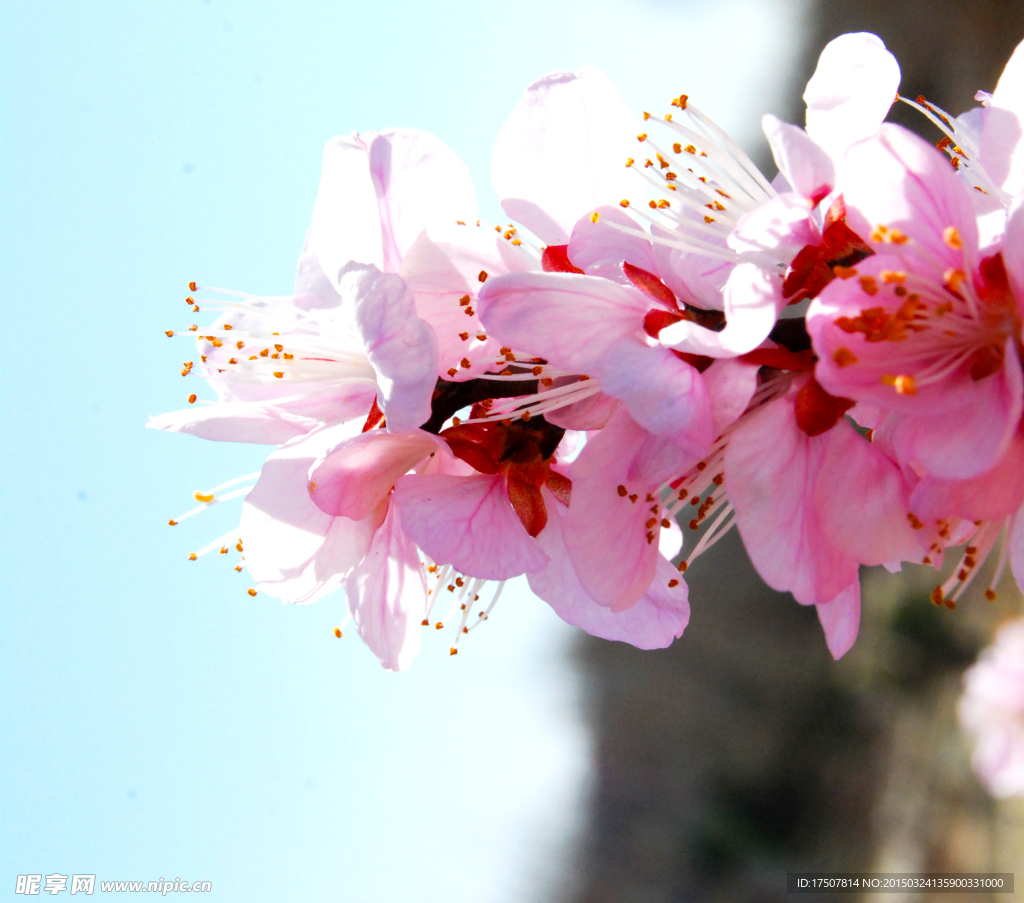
(192,556)
(844,357)
(192,398)
(892,276)
(238,568)
(202,496)
(951,236)
(953,279)
(251,591)
(869,285)
(452,650)
(191,286)
(337,632)
(624,203)
(595,216)
(223,550)
(227,325)
(630,161)
(278,374)
(193,328)
(904,385)
(646,116)
(642,136)
(677,148)
(172,522)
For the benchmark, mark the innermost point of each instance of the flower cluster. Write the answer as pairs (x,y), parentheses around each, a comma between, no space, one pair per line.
(662,342)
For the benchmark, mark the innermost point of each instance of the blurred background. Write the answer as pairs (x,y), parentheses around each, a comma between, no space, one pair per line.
(157,722)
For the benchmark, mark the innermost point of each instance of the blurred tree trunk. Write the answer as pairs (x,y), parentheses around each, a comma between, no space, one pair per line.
(743,751)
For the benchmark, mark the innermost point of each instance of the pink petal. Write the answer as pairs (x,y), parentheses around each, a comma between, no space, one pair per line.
(568,319)
(468,522)
(965,440)
(753,300)
(1013,252)
(590,414)
(442,267)
(806,167)
(840,619)
(776,230)
(354,477)
(378,192)
(664,394)
(599,250)
(560,153)
(419,181)
(659,617)
(902,182)
(294,550)
(1015,537)
(313,289)
(810,509)
(992,495)
(387,595)
(605,532)
(693,278)
(235,422)
(1001,148)
(401,347)
(730,384)
(851,91)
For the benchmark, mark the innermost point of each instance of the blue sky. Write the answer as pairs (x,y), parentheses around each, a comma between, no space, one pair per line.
(154,720)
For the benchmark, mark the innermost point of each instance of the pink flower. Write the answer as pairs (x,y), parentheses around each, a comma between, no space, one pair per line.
(813,501)
(927,329)
(992,711)
(282,367)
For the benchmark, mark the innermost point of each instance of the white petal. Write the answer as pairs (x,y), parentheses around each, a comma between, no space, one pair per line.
(850,92)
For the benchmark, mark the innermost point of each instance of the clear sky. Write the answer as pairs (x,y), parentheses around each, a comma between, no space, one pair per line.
(155,721)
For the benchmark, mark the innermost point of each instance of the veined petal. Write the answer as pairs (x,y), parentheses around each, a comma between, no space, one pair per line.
(664,394)
(606,534)
(419,180)
(560,153)
(401,347)
(568,319)
(378,192)
(468,522)
(659,617)
(387,595)
(599,249)
(294,550)
(730,384)
(992,495)
(354,477)
(850,92)
(840,619)
(811,508)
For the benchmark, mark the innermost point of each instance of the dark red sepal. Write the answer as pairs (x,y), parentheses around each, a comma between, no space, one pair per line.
(555,259)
